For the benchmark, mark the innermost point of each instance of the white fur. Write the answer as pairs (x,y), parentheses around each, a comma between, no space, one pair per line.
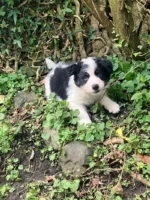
(110,105)
(50,63)
(78,97)
(93,79)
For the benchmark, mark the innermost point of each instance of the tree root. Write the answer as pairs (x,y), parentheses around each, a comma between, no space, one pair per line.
(79,36)
(93,6)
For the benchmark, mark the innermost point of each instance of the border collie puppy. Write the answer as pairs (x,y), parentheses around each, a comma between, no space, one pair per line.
(81,84)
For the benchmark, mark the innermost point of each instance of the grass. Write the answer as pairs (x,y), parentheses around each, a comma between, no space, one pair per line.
(120,165)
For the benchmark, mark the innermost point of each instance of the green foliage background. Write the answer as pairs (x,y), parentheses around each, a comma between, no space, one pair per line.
(33,28)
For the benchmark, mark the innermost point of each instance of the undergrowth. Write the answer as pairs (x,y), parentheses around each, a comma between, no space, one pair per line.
(112,165)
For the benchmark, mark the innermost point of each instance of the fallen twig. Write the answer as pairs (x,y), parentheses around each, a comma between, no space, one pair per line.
(138,177)
(114,140)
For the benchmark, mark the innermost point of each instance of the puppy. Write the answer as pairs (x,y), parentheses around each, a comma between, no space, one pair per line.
(81,84)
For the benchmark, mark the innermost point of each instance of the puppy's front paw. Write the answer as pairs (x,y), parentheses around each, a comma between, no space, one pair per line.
(114,108)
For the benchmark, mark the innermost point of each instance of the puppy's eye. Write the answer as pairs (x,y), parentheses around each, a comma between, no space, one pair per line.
(85,76)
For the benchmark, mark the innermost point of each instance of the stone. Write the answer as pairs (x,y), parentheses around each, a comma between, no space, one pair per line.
(75,159)
(52,138)
(24,97)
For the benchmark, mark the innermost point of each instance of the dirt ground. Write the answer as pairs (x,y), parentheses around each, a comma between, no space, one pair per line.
(36,168)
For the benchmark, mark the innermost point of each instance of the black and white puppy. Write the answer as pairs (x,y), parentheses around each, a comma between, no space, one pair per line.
(81,84)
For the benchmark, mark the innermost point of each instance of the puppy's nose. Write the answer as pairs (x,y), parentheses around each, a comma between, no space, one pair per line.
(95,87)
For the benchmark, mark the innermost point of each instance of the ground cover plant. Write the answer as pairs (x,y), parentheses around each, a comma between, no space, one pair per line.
(119,167)
(119,164)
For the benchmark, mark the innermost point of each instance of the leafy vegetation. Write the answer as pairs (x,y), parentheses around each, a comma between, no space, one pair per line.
(122,161)
(65,30)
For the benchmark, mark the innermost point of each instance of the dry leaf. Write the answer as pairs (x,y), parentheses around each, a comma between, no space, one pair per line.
(22,111)
(119,132)
(114,155)
(56,36)
(42,198)
(96,181)
(42,82)
(32,155)
(2,98)
(114,140)
(50,178)
(138,177)
(117,189)
(66,45)
(9,70)
(144,158)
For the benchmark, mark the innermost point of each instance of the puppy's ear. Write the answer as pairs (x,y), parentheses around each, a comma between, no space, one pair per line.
(105,64)
(50,64)
(74,69)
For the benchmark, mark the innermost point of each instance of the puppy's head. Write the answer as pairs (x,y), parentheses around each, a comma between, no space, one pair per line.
(92,74)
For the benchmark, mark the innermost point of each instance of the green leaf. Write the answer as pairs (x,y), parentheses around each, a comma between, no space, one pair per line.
(20,167)
(101,126)
(46,124)
(66,184)
(66,10)
(126,66)
(2,12)
(15,160)
(136,96)
(74,185)
(14,14)
(2,116)
(45,136)
(148,39)
(137,54)
(130,76)
(4,188)
(98,195)
(92,164)
(89,137)
(52,156)
(18,42)
(59,113)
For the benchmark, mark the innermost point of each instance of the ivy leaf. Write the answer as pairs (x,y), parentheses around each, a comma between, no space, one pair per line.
(45,136)
(2,12)
(137,54)
(2,116)
(137,96)
(17,42)
(74,185)
(14,14)
(89,137)
(66,184)
(98,195)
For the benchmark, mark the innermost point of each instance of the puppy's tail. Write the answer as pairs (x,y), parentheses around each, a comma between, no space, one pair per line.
(50,64)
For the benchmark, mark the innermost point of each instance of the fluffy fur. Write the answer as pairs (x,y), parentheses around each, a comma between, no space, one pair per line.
(81,84)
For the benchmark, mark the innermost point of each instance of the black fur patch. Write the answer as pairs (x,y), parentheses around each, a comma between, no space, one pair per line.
(74,68)
(60,79)
(104,69)
(81,78)
(59,82)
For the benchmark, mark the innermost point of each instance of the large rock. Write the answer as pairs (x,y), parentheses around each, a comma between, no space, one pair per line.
(75,159)
(24,97)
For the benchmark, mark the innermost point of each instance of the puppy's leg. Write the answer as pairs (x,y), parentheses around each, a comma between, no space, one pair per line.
(110,105)
(83,116)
